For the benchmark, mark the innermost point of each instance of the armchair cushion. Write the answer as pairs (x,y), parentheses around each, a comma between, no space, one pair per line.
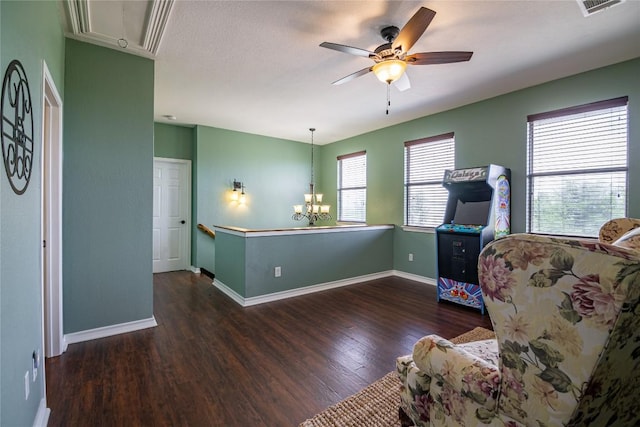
(463,385)
(420,392)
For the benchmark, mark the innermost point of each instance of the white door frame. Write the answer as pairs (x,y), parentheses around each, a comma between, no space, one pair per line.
(51,223)
(187,163)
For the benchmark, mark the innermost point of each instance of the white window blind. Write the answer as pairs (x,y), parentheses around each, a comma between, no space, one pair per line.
(425,161)
(352,187)
(577,168)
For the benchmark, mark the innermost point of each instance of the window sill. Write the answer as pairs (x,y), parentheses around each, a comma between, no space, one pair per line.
(351,223)
(414,229)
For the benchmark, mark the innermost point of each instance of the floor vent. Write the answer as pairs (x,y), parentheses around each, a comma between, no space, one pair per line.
(589,7)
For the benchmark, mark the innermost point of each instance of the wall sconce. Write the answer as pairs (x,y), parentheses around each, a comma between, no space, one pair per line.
(238,196)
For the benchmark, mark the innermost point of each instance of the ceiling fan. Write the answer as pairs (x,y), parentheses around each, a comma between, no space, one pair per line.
(391,58)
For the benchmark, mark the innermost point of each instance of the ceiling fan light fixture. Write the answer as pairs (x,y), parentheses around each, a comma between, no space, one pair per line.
(390,70)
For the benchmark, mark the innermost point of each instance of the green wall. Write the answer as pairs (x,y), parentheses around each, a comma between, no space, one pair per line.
(491,131)
(29,32)
(107,187)
(231,261)
(276,173)
(311,259)
(246,264)
(173,142)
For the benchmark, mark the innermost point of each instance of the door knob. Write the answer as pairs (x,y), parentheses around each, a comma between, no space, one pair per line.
(183,222)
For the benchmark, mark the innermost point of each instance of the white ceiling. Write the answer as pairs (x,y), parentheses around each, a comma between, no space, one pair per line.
(256,67)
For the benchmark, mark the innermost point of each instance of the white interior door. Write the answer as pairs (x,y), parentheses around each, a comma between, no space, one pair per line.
(171,214)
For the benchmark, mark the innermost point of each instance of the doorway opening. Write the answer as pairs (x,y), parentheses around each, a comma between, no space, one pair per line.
(171,214)
(51,217)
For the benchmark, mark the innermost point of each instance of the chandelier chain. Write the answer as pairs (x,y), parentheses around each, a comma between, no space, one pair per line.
(313,209)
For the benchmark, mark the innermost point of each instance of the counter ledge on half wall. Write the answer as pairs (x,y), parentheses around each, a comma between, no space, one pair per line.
(248,232)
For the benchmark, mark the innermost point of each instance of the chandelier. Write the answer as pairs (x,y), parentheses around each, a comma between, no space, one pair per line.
(313,209)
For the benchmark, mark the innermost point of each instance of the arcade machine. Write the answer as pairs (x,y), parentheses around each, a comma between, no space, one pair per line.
(478,211)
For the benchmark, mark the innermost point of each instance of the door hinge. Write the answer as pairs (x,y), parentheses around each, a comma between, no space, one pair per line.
(44,243)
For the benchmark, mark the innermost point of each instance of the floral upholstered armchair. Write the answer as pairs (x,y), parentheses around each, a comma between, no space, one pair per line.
(566,314)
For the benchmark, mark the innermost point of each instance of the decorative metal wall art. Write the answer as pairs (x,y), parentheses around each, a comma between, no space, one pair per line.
(16,128)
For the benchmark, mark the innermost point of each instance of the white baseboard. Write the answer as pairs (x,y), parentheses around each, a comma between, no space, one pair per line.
(195,270)
(417,278)
(42,417)
(229,292)
(246,302)
(107,331)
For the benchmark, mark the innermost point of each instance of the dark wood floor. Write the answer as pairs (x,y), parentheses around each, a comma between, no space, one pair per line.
(210,362)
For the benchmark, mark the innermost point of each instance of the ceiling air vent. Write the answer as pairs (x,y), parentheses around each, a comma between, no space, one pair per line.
(589,7)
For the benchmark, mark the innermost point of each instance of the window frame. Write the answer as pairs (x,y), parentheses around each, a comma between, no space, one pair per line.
(341,188)
(531,176)
(443,138)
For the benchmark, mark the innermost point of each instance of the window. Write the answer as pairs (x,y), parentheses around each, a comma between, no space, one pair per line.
(352,187)
(577,168)
(425,161)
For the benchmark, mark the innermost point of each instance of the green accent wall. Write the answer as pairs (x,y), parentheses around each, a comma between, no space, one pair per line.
(31,33)
(107,187)
(275,172)
(491,131)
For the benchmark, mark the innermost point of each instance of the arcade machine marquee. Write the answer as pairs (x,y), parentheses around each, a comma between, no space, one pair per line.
(478,211)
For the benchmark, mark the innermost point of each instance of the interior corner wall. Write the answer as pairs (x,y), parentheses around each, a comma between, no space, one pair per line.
(490,131)
(275,173)
(107,187)
(31,33)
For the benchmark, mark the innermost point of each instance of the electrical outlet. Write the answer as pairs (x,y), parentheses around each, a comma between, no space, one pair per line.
(410,257)
(26,385)
(277,272)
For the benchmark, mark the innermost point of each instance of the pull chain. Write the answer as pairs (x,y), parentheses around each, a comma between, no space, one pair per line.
(388,97)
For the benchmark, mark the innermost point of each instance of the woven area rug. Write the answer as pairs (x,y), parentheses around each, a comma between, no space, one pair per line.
(377,404)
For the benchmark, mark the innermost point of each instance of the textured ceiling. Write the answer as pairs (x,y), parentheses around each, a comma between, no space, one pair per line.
(256,67)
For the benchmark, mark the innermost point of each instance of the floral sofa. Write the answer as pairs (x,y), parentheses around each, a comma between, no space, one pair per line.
(566,315)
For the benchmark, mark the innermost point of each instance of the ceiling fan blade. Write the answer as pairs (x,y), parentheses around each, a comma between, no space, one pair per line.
(428,58)
(352,76)
(402,83)
(348,49)
(413,29)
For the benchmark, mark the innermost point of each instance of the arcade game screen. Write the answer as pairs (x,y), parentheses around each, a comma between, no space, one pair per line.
(472,213)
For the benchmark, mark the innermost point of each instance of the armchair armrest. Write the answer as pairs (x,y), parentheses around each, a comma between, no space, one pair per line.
(455,368)
(613,229)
